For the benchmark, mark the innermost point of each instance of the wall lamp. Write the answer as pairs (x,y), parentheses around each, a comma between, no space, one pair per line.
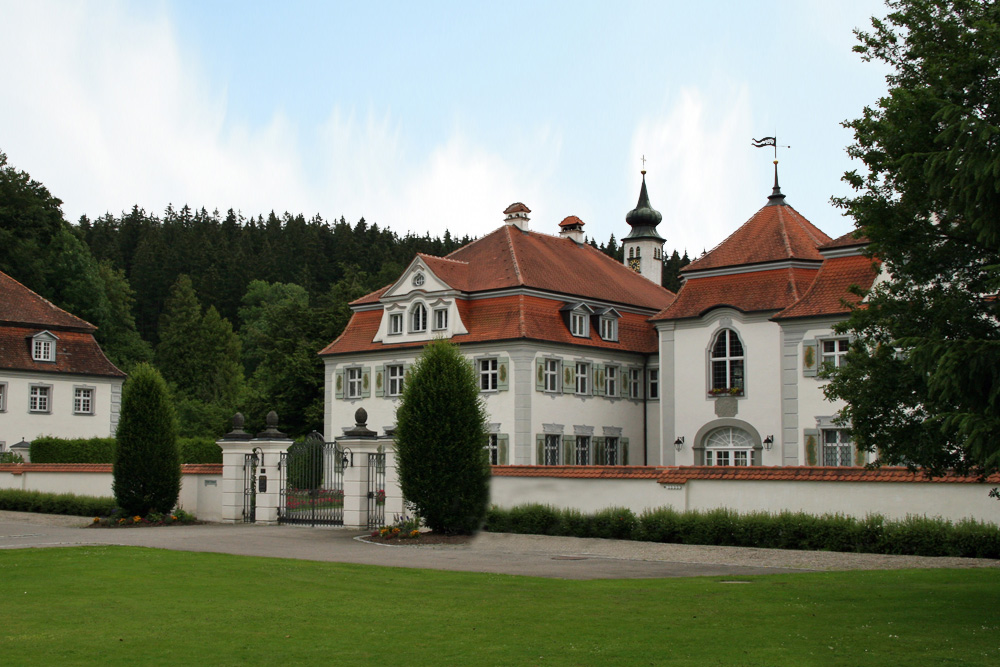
(768,442)
(679,443)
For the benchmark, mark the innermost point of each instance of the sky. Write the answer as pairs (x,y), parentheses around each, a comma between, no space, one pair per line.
(437,115)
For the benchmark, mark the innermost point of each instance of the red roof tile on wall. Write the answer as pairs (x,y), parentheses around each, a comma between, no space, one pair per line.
(76,352)
(772,234)
(504,318)
(830,292)
(19,305)
(681,475)
(579,472)
(748,292)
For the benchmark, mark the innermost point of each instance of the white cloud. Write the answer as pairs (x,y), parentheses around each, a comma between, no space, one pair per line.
(698,163)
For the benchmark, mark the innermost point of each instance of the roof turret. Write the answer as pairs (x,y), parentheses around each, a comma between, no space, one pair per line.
(643,218)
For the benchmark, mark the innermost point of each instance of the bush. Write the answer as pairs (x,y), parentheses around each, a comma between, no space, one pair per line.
(305,464)
(444,470)
(16,500)
(72,450)
(102,450)
(11,457)
(919,536)
(147,469)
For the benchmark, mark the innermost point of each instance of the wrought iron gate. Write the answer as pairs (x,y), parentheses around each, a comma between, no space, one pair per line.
(376,490)
(311,478)
(249,488)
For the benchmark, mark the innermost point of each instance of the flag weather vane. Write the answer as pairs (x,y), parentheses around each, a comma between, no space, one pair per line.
(768,141)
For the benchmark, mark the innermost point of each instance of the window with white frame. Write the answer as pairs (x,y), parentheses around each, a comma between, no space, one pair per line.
(611,453)
(394,375)
(395,323)
(440,318)
(83,401)
(39,399)
(834,351)
(488,374)
(582,450)
(611,381)
(3,396)
(654,383)
(582,378)
(838,450)
(493,447)
(418,318)
(551,375)
(43,350)
(551,449)
(727,363)
(353,383)
(609,328)
(634,382)
(578,325)
(728,446)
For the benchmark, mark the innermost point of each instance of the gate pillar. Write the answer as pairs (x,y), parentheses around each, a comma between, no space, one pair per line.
(250,493)
(357,443)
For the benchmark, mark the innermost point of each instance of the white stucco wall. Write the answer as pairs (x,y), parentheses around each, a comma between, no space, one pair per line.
(17,423)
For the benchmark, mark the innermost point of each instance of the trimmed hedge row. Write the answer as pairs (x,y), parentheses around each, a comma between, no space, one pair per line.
(102,450)
(16,500)
(918,536)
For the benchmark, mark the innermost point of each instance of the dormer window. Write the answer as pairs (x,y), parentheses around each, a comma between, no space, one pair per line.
(440,319)
(578,325)
(418,318)
(43,347)
(395,323)
(607,320)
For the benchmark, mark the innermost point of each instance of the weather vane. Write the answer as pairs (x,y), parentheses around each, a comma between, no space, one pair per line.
(644,163)
(769,141)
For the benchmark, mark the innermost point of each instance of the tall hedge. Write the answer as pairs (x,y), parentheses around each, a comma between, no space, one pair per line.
(102,450)
(441,435)
(147,468)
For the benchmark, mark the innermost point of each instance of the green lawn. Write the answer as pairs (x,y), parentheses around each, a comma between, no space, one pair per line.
(123,605)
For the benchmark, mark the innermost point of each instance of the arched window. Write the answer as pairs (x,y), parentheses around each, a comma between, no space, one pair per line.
(727,363)
(728,446)
(418,318)
(637,250)
(631,253)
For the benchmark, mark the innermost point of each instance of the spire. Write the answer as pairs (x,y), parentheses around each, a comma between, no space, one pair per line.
(643,218)
(776,198)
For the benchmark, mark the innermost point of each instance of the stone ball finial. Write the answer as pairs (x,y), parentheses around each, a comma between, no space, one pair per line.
(238,421)
(272,419)
(361,417)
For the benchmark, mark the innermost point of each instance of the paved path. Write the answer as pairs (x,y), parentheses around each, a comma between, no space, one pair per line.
(532,555)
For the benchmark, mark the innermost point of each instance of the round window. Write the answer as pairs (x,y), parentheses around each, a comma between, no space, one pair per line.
(418,279)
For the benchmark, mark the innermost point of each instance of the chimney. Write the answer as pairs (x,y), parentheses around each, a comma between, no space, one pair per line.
(572,228)
(517,215)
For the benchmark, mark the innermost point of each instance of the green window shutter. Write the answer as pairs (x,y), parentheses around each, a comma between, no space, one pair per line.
(810,358)
(539,376)
(503,378)
(569,443)
(559,377)
(624,446)
(366,382)
(379,381)
(569,378)
(600,452)
(540,449)
(338,384)
(812,445)
(598,382)
(503,447)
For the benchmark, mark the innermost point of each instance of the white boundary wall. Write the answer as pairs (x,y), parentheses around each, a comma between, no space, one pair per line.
(201,484)
(896,500)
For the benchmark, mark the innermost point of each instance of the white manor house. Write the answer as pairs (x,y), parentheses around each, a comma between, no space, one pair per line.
(584,361)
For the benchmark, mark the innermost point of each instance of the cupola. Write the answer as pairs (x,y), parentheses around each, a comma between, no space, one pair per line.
(516,215)
(572,228)
(643,246)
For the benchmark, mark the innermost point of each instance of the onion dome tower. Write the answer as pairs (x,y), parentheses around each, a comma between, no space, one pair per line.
(643,246)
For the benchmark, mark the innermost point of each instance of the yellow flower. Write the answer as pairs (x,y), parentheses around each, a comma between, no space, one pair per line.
(173,518)
(97,519)
(137,519)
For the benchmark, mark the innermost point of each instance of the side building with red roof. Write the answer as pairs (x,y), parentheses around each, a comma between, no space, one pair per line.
(742,344)
(584,360)
(54,378)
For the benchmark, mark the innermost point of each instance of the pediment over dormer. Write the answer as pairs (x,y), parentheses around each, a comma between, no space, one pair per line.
(43,346)
(427,275)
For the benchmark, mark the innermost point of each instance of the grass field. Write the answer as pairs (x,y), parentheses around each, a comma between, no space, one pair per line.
(123,605)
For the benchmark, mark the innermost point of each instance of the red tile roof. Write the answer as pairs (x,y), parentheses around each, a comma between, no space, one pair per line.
(504,318)
(76,352)
(748,292)
(579,472)
(772,234)
(517,207)
(19,305)
(681,475)
(829,293)
(846,241)
(571,220)
(510,258)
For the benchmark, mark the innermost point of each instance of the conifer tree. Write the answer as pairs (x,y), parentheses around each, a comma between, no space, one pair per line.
(147,468)
(441,437)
